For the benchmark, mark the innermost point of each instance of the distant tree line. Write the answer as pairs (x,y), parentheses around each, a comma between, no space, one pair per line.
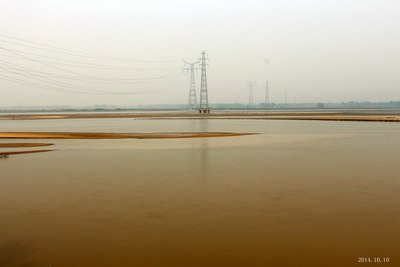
(219,106)
(320,105)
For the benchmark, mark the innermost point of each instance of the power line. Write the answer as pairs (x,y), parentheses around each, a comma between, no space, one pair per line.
(63,69)
(11,68)
(89,79)
(55,49)
(33,76)
(70,90)
(63,79)
(81,64)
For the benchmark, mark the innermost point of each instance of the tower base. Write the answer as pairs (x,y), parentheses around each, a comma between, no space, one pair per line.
(204,110)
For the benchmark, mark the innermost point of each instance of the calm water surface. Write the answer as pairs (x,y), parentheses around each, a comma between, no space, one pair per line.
(298,194)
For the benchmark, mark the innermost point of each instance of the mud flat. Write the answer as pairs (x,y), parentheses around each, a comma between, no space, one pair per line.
(83,135)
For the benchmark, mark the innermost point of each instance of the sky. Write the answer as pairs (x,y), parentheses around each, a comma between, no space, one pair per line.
(120,52)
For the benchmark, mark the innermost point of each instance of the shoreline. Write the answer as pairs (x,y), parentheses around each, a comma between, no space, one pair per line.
(300,115)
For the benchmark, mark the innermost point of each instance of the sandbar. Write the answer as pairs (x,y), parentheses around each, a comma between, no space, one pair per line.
(87,135)
(7,145)
(6,154)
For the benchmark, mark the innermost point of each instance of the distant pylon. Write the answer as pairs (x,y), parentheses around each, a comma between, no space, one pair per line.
(267,100)
(192,99)
(204,108)
(251,93)
(285,97)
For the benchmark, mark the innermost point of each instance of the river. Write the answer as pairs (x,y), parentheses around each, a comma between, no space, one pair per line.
(298,193)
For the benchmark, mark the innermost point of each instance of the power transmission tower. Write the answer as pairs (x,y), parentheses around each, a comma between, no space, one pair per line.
(251,93)
(267,100)
(192,99)
(204,108)
(285,97)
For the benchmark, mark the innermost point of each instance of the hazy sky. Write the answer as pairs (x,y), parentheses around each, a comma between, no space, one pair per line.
(320,50)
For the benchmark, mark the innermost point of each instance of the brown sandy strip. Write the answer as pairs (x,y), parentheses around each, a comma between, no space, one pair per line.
(318,118)
(342,118)
(158,115)
(25,144)
(306,118)
(75,135)
(23,152)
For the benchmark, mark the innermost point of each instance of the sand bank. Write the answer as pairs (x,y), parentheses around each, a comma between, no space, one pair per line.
(7,145)
(84,135)
(6,154)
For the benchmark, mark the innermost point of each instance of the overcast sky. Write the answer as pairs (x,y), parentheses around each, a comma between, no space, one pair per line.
(84,52)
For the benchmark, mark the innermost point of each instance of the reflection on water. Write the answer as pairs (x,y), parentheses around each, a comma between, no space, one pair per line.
(299,194)
(204,149)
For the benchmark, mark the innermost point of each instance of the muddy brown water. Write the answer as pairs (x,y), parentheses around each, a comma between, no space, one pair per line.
(298,194)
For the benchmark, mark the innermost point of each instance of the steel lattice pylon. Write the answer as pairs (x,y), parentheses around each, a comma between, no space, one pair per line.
(204,108)
(251,93)
(267,100)
(192,99)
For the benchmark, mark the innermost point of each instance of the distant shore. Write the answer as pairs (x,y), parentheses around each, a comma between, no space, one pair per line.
(368,115)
